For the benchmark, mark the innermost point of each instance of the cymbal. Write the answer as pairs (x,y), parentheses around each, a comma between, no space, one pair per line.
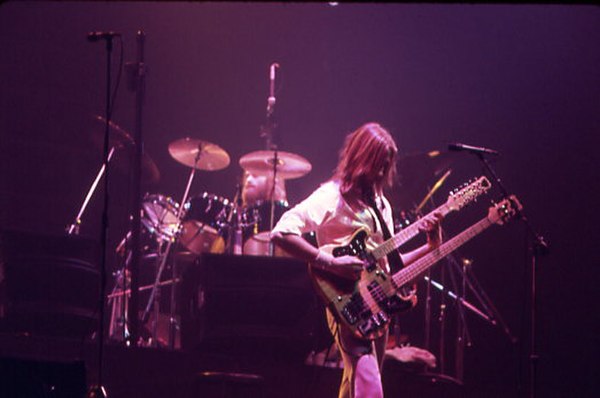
(433,190)
(435,160)
(202,155)
(417,174)
(150,173)
(119,138)
(289,165)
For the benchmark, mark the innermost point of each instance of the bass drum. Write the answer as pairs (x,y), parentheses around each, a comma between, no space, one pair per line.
(205,216)
(159,216)
(257,219)
(158,225)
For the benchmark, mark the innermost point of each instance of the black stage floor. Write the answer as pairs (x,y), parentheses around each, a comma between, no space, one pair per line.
(54,367)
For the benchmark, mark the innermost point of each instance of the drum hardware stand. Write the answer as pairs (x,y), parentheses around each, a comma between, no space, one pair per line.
(137,84)
(119,322)
(161,261)
(74,227)
(538,247)
(118,298)
(234,224)
(467,280)
(119,312)
(458,298)
(272,201)
(463,339)
(127,292)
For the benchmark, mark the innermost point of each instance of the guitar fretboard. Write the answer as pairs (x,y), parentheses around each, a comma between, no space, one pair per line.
(412,271)
(405,235)
(454,202)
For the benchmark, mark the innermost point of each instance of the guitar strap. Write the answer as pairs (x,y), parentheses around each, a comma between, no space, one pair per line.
(394,259)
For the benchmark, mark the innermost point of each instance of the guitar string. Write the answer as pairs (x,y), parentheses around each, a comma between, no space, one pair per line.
(412,272)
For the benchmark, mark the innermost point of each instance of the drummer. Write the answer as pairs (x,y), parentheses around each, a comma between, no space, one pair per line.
(259,188)
(257,193)
(263,198)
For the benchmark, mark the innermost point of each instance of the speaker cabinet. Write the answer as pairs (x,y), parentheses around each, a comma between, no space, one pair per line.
(34,379)
(49,285)
(250,303)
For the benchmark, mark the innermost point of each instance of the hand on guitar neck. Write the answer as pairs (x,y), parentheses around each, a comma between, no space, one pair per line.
(431,226)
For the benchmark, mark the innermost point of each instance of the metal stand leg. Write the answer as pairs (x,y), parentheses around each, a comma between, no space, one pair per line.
(74,227)
(173,321)
(164,255)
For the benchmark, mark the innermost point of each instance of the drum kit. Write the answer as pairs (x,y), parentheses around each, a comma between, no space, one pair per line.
(197,224)
(207,223)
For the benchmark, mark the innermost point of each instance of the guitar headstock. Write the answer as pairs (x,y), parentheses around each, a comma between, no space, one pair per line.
(468,193)
(505,210)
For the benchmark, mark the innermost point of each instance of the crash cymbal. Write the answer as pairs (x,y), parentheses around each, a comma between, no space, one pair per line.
(150,173)
(200,154)
(119,138)
(434,162)
(289,165)
(438,184)
(420,174)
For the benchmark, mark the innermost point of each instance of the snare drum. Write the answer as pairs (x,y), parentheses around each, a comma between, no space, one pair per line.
(257,219)
(205,215)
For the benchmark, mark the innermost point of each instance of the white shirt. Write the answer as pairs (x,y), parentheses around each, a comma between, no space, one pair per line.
(327,213)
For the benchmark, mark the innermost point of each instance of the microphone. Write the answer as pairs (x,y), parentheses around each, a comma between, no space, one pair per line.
(473,149)
(95,36)
(271,100)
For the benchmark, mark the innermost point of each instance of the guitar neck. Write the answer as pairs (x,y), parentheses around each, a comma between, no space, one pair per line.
(405,235)
(415,269)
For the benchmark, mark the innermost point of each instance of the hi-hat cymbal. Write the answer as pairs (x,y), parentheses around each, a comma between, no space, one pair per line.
(202,155)
(289,165)
(119,138)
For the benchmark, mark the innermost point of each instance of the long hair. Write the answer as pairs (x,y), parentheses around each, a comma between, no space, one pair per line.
(367,161)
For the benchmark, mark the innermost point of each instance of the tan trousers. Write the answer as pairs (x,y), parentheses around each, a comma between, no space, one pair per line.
(362,362)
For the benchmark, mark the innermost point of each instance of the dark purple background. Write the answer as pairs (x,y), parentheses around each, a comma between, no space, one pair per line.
(523,80)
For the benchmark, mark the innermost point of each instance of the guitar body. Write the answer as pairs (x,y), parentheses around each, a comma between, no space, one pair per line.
(367,305)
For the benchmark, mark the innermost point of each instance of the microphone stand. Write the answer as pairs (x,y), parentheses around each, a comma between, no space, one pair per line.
(267,132)
(98,390)
(537,247)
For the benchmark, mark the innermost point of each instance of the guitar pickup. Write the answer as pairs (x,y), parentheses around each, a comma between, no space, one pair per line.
(382,317)
(366,328)
(349,316)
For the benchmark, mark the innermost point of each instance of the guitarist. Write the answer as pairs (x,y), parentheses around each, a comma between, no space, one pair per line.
(335,211)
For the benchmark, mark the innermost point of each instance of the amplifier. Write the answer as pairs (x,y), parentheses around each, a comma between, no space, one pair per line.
(49,285)
(250,303)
